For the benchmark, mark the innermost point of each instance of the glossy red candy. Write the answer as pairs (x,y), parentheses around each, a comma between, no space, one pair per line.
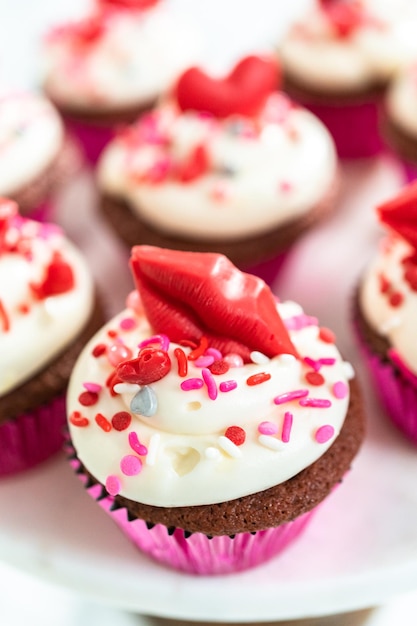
(242,92)
(400,214)
(188,295)
(151,365)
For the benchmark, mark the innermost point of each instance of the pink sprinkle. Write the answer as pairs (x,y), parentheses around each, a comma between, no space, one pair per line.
(161,339)
(327,361)
(234,360)
(130,465)
(210,383)
(286,427)
(315,403)
(297,322)
(219,192)
(324,433)
(215,353)
(227,385)
(267,428)
(136,445)
(191,383)
(92,387)
(315,365)
(285,186)
(128,323)
(340,390)
(290,395)
(113,485)
(134,302)
(204,361)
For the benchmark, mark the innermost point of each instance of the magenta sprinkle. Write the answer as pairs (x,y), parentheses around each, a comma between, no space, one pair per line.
(215,353)
(340,390)
(136,445)
(267,428)
(227,385)
(327,361)
(315,403)
(315,365)
(324,433)
(191,383)
(286,427)
(128,323)
(130,465)
(161,339)
(210,383)
(113,485)
(204,361)
(297,322)
(92,387)
(290,395)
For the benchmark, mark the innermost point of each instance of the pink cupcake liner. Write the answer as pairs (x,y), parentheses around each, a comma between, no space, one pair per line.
(267,270)
(409,171)
(354,128)
(42,212)
(31,438)
(92,138)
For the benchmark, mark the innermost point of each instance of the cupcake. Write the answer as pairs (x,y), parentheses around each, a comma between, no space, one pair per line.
(48,310)
(107,68)
(227,165)
(385,312)
(220,418)
(35,157)
(338,60)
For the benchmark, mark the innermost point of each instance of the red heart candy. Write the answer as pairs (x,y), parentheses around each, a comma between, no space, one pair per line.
(242,92)
(151,365)
(400,214)
(188,295)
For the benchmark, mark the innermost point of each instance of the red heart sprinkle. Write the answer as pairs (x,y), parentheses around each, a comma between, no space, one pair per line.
(236,434)
(151,365)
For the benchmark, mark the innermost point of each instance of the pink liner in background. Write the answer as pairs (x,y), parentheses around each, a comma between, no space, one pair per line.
(31,438)
(267,270)
(92,138)
(42,213)
(409,170)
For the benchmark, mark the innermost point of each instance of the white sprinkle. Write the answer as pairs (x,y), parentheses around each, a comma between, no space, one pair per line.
(348,370)
(271,442)
(153,449)
(286,359)
(212,453)
(394,322)
(259,357)
(126,388)
(229,447)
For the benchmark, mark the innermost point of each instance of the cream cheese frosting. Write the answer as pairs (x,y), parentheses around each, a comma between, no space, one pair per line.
(31,137)
(314,55)
(402,98)
(198,176)
(46,296)
(178,441)
(132,56)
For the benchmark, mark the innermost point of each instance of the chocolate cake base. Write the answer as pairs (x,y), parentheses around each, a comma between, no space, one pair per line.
(305,94)
(400,142)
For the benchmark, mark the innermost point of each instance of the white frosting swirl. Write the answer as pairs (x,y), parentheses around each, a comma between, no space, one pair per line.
(33,330)
(261,173)
(137,56)
(189,459)
(31,137)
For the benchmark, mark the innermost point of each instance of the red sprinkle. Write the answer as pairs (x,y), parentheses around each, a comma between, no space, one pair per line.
(199,350)
(257,379)
(121,420)
(112,333)
(24,308)
(99,350)
(314,378)
(236,434)
(58,278)
(219,367)
(384,284)
(77,419)
(327,335)
(88,398)
(103,422)
(396,299)
(182,362)
(4,318)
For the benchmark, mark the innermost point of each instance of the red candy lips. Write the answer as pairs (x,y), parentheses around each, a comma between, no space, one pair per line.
(190,295)
(400,214)
(242,92)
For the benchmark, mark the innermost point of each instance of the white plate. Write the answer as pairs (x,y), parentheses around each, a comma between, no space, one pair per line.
(359,550)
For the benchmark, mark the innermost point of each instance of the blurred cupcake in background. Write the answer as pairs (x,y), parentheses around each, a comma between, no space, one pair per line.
(222,164)
(339,59)
(110,66)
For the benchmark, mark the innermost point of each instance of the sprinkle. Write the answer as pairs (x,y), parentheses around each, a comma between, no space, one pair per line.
(210,383)
(286,427)
(182,362)
(340,390)
(204,361)
(118,352)
(258,357)
(153,449)
(285,186)
(125,388)
(128,323)
(229,447)
(144,402)
(191,383)
(99,350)
(93,387)
(103,422)
(287,359)
(112,333)
(290,395)
(211,453)
(267,428)
(234,360)
(227,385)
(4,318)
(88,398)
(314,378)
(315,365)
(297,322)
(199,350)
(324,433)
(327,361)
(76,419)
(113,485)
(136,445)
(315,403)
(214,352)
(327,335)
(163,341)
(348,370)
(396,299)
(236,434)
(257,379)
(130,465)
(270,442)
(219,367)
(121,420)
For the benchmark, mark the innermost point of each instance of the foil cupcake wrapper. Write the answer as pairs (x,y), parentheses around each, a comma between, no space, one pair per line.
(31,438)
